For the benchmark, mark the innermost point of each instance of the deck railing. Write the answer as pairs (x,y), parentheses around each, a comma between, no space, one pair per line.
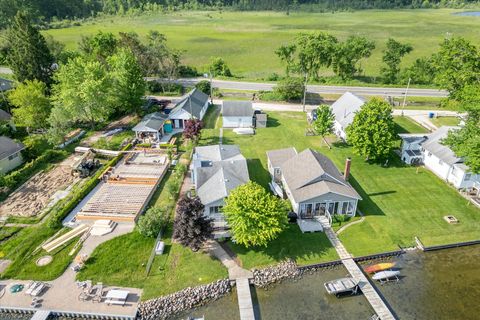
(329,217)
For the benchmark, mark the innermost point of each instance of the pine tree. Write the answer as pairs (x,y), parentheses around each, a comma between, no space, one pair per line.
(28,54)
(191,228)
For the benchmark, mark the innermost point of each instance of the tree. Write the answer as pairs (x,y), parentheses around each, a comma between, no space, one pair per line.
(290,89)
(392,57)
(152,222)
(255,216)
(128,82)
(456,65)
(204,86)
(323,125)
(286,53)
(32,106)
(28,54)
(421,72)
(100,46)
(192,129)
(348,53)
(219,67)
(83,91)
(466,141)
(58,51)
(191,228)
(372,132)
(61,123)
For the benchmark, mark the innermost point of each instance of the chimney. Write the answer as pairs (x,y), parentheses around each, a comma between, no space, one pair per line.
(346,173)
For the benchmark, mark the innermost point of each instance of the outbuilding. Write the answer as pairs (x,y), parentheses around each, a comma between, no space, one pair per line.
(10,154)
(237,114)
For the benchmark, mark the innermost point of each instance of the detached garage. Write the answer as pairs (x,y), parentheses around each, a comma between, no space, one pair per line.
(237,114)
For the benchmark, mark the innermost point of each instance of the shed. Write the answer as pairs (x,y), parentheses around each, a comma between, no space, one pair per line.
(151,126)
(261,120)
(237,114)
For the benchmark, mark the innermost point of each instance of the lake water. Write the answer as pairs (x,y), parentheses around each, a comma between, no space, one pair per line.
(440,285)
(468,13)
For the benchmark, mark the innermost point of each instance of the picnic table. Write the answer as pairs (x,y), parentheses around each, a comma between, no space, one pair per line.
(115,296)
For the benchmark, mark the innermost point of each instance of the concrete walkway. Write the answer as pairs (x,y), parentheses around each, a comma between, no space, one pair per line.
(377,303)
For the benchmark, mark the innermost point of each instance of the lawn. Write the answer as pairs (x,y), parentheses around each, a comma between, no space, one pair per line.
(406,125)
(446,121)
(247,40)
(399,202)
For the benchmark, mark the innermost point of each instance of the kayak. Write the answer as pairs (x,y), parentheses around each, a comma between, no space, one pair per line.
(384,275)
(379,267)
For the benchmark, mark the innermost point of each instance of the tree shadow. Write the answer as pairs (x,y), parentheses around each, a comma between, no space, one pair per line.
(258,173)
(340,144)
(366,205)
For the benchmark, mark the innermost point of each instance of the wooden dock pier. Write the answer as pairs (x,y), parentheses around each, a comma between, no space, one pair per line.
(41,315)
(377,303)
(244,299)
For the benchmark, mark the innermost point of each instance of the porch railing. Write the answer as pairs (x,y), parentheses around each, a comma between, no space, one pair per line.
(329,217)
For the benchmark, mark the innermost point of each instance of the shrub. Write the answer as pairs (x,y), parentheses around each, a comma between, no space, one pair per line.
(152,222)
(35,146)
(290,89)
(187,71)
(341,218)
(219,67)
(204,86)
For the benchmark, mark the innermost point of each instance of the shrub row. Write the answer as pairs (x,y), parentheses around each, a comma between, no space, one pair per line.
(63,208)
(17,177)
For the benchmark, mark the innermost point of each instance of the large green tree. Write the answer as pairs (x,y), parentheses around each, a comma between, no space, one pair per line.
(372,132)
(466,141)
(255,216)
(392,56)
(457,64)
(28,54)
(349,53)
(84,91)
(128,82)
(100,46)
(32,106)
(323,124)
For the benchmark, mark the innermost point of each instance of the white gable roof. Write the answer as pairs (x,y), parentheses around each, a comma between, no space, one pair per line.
(345,107)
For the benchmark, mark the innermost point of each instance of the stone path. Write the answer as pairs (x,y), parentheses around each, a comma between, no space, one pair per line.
(377,303)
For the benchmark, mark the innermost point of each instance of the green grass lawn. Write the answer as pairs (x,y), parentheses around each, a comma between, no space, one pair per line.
(399,202)
(446,121)
(247,40)
(407,125)
(113,142)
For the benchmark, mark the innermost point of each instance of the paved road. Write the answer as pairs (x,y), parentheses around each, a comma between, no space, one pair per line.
(366,91)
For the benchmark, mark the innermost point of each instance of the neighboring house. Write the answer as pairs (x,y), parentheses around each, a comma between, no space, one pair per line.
(344,110)
(5,85)
(216,170)
(237,114)
(312,183)
(193,105)
(6,117)
(438,158)
(10,156)
(151,128)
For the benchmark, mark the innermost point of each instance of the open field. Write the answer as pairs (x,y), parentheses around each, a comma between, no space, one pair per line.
(399,202)
(247,40)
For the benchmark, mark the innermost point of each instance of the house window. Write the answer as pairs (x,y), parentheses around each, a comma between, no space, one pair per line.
(344,207)
(215,209)
(350,208)
(468,176)
(13,156)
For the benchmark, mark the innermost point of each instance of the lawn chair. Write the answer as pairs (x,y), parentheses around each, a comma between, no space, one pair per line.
(99,293)
(38,290)
(86,291)
(31,286)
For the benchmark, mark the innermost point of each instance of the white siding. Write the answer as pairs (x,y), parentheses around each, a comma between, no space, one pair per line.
(339,131)
(237,122)
(7,165)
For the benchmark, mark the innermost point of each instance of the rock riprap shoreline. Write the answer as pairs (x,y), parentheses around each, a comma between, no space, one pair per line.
(263,278)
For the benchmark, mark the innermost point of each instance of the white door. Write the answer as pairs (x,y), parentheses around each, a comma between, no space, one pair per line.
(176,123)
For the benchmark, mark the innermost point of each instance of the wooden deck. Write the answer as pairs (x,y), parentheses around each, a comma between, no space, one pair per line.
(377,303)
(244,299)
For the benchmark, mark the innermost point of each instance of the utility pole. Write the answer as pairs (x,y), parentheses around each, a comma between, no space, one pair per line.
(305,90)
(405,96)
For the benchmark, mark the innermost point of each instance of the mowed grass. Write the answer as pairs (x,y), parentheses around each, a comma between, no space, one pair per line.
(406,125)
(247,40)
(399,201)
(446,121)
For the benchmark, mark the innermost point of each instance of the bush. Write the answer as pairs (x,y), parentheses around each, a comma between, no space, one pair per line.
(187,71)
(35,146)
(152,222)
(290,89)
(341,218)
(204,86)
(273,77)
(219,67)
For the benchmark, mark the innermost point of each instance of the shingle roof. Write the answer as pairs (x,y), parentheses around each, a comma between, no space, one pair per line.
(225,169)
(192,103)
(9,147)
(345,107)
(5,84)
(151,122)
(435,146)
(311,174)
(237,109)
(279,156)
(5,116)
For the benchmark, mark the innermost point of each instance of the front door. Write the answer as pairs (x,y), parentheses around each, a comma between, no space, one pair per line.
(176,123)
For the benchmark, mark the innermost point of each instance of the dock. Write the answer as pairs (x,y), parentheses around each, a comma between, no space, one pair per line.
(41,315)
(244,299)
(378,304)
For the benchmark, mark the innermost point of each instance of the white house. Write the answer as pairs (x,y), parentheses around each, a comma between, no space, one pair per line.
(438,158)
(193,105)
(216,170)
(237,114)
(344,110)
(312,183)
(10,154)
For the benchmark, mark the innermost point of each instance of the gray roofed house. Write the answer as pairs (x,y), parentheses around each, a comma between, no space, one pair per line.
(237,114)
(10,156)
(312,183)
(151,126)
(434,145)
(192,106)
(344,110)
(216,170)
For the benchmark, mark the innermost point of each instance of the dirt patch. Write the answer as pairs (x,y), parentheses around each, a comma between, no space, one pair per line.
(43,261)
(31,198)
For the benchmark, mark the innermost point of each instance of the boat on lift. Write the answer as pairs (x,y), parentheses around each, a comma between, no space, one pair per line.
(342,285)
(386,275)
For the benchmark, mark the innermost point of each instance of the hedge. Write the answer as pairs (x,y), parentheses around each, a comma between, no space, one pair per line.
(68,204)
